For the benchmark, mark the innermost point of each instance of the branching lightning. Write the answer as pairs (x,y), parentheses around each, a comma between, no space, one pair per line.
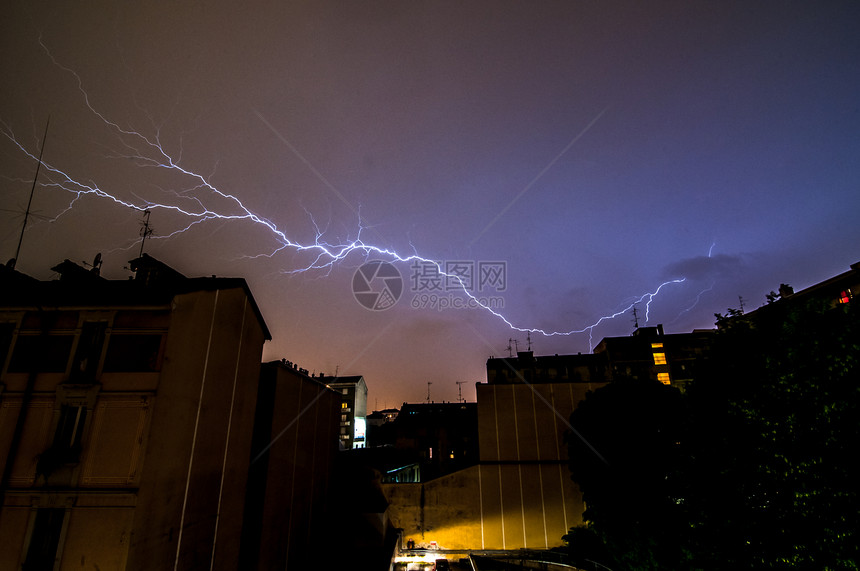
(191,204)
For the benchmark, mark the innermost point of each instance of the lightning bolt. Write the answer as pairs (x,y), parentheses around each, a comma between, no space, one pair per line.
(191,204)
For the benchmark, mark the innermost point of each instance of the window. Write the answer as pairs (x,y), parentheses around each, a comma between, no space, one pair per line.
(41,353)
(133,353)
(343,406)
(343,418)
(845,296)
(70,428)
(663,378)
(656,345)
(6,330)
(89,351)
(659,358)
(42,551)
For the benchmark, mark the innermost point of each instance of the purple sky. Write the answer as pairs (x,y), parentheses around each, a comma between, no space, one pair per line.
(599,149)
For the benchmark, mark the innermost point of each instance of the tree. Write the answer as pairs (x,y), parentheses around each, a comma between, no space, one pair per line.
(752,468)
(775,485)
(627,456)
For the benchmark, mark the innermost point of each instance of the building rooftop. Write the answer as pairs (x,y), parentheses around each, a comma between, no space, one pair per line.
(154,284)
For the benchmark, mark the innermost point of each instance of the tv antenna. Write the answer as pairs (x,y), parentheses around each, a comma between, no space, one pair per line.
(32,192)
(460,390)
(635,317)
(145,230)
(428,391)
(529,339)
(741,302)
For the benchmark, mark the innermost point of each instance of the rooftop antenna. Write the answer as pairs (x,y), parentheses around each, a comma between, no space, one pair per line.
(32,192)
(635,318)
(145,230)
(428,391)
(460,390)
(517,345)
(510,347)
(741,302)
(529,339)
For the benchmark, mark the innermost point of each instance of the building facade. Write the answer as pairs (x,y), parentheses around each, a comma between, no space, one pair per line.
(353,409)
(126,415)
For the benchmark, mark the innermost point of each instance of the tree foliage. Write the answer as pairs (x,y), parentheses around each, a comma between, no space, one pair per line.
(752,468)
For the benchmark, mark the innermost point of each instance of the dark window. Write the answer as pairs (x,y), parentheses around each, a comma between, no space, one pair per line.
(6,330)
(46,537)
(41,354)
(70,428)
(133,353)
(89,350)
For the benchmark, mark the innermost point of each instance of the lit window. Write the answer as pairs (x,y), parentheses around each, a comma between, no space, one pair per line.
(656,345)
(343,405)
(663,378)
(845,296)
(659,358)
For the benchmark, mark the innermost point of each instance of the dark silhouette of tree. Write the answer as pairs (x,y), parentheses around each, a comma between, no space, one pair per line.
(632,491)
(752,468)
(777,426)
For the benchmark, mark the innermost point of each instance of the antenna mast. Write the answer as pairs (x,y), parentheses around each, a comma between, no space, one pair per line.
(32,192)
(635,318)
(145,230)
(428,391)
(460,390)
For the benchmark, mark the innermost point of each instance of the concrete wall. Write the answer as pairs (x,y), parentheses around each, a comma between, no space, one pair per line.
(294,449)
(520,495)
(192,489)
(489,506)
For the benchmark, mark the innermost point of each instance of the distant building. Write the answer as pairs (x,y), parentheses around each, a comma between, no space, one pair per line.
(443,435)
(380,428)
(126,416)
(353,409)
(650,355)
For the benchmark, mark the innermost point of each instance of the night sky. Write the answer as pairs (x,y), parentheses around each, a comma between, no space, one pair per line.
(597,149)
